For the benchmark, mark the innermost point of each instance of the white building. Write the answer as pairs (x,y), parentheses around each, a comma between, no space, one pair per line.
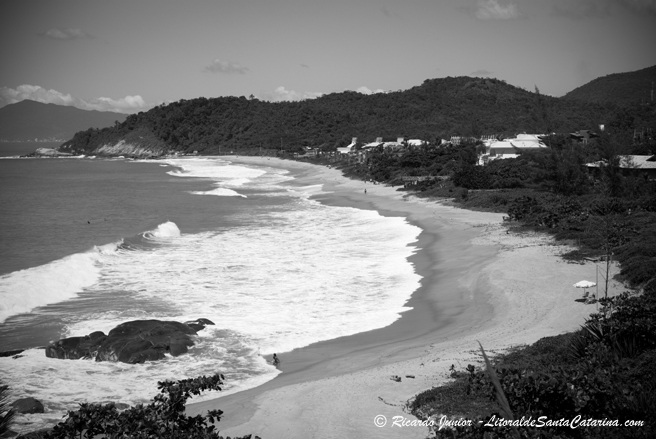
(377,143)
(349,148)
(510,148)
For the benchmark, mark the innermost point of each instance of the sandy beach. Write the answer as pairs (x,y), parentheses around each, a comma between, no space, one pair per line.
(480,283)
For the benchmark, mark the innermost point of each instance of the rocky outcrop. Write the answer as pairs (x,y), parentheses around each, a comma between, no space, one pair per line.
(74,348)
(131,342)
(27,405)
(50,152)
(11,353)
(130,149)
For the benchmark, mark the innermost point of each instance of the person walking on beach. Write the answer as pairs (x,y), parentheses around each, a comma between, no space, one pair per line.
(275,361)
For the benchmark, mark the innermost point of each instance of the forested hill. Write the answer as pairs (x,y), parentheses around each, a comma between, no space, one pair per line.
(631,88)
(439,108)
(27,120)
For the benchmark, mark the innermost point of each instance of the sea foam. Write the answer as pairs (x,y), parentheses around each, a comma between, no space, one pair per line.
(219,192)
(165,230)
(25,290)
(279,278)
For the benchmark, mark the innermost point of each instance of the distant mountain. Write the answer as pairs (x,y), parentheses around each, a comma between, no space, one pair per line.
(619,88)
(29,120)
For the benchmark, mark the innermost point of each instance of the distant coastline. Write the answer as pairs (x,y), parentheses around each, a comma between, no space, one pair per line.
(51,140)
(25,148)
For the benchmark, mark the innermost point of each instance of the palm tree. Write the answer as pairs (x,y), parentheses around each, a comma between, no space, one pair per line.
(6,413)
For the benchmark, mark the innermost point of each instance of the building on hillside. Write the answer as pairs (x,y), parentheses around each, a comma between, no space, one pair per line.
(457,140)
(375,144)
(584,136)
(416,142)
(349,148)
(510,148)
(630,165)
(398,144)
(311,152)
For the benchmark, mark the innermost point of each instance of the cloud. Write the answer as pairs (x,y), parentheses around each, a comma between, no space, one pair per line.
(65,34)
(367,91)
(128,104)
(481,72)
(492,10)
(219,66)
(640,6)
(305,66)
(281,94)
(579,10)
(34,93)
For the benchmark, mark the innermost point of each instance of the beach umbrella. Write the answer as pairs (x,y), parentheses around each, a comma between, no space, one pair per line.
(585,284)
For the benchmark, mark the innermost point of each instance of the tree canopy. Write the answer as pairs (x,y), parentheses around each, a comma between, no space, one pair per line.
(438,108)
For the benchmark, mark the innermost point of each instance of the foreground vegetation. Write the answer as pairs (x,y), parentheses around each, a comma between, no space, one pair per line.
(164,417)
(598,382)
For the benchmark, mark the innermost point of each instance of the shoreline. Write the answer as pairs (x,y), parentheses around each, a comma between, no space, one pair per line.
(478,283)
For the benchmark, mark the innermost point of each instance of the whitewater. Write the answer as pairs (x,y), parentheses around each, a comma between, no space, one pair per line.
(243,246)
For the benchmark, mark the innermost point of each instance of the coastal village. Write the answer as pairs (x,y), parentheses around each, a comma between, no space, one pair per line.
(489,148)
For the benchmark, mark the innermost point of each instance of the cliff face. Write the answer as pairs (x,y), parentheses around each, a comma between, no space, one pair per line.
(131,149)
(50,152)
(137,143)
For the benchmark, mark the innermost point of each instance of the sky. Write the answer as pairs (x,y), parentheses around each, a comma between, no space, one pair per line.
(131,55)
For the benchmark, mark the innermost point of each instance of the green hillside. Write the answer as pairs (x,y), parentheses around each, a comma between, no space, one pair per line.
(629,88)
(439,108)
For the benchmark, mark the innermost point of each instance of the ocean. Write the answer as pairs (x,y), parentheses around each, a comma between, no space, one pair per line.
(87,244)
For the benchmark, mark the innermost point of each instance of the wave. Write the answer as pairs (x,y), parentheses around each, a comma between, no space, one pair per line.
(25,290)
(273,274)
(164,231)
(218,170)
(220,192)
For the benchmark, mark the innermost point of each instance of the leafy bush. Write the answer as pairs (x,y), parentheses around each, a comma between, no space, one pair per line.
(603,371)
(164,417)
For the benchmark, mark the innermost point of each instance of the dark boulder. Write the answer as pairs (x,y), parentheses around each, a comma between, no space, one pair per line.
(10,353)
(74,348)
(199,324)
(131,342)
(27,405)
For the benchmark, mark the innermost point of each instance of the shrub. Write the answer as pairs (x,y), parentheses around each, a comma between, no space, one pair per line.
(164,417)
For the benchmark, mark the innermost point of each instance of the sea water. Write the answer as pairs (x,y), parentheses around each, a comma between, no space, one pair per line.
(88,244)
